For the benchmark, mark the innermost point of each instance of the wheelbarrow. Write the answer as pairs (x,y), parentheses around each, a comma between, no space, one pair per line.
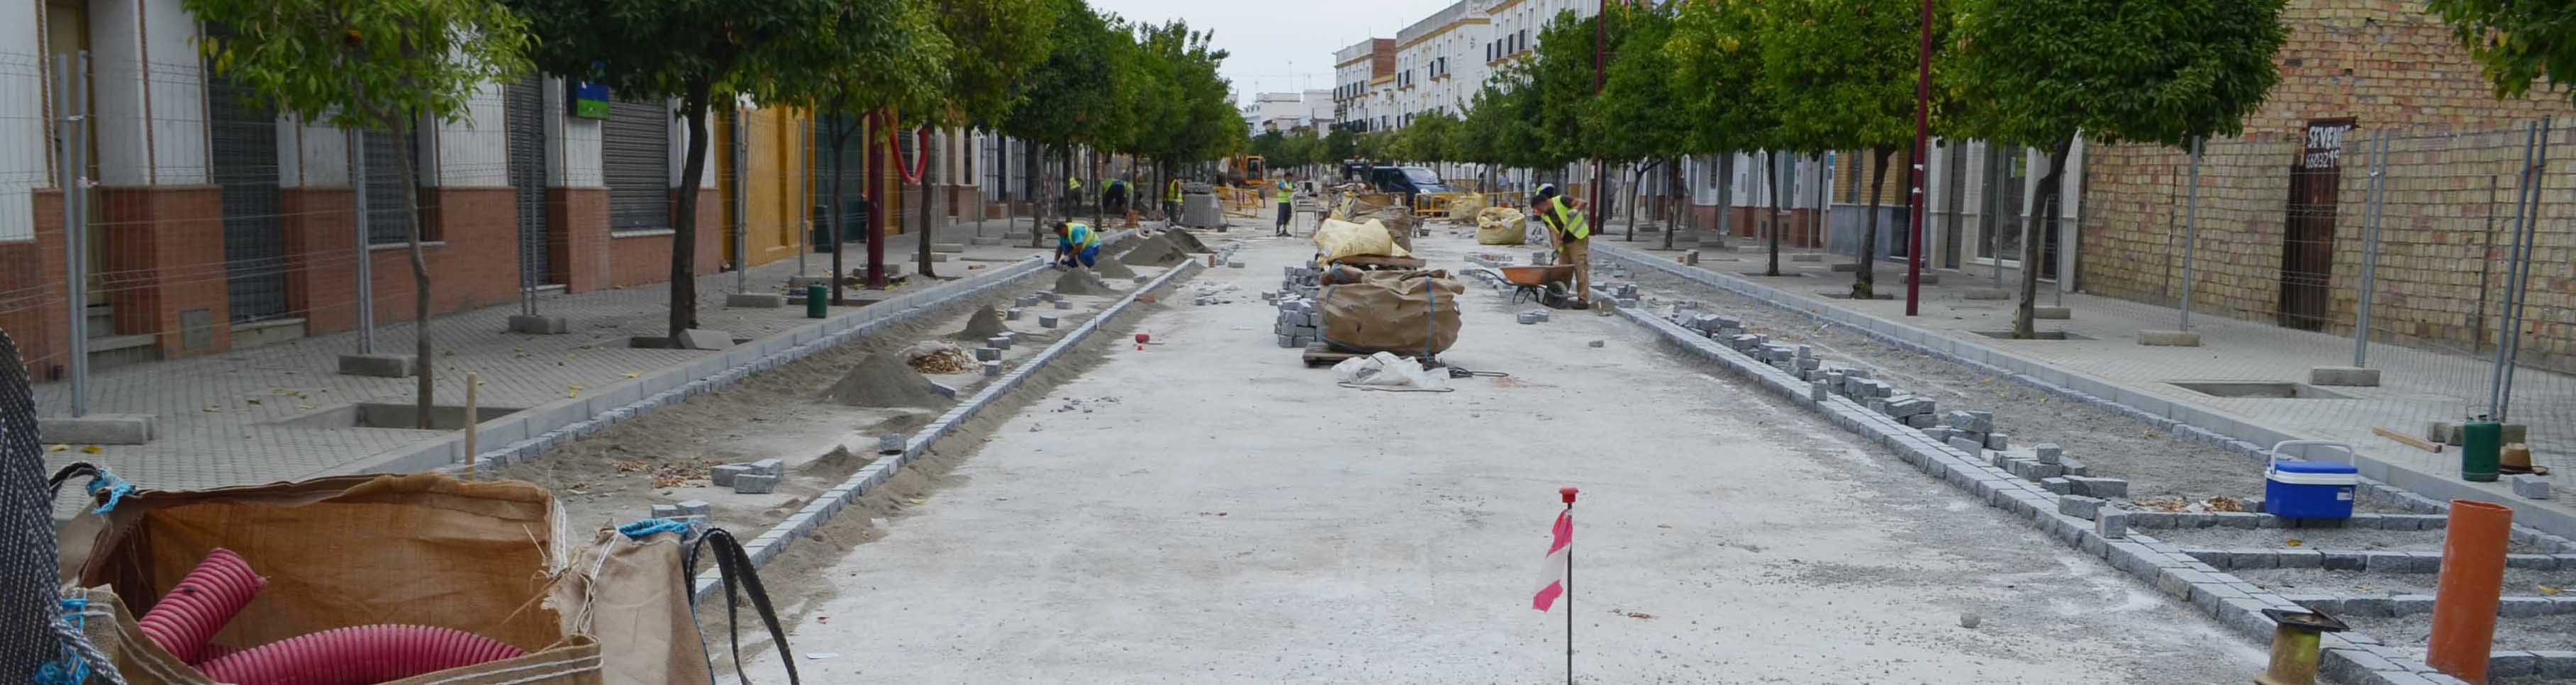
(1551,285)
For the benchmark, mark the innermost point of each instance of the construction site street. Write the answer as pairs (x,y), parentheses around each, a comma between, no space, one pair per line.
(1209,510)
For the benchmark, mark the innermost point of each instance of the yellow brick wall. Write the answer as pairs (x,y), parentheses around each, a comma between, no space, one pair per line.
(2398,73)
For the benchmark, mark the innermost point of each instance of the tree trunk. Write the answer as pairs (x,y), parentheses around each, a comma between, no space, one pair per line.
(841,127)
(1673,200)
(1036,190)
(1636,196)
(1771,212)
(684,219)
(929,151)
(1725,197)
(2049,186)
(1865,278)
(426,391)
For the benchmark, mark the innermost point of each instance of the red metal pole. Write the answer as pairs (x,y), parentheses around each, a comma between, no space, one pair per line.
(1922,172)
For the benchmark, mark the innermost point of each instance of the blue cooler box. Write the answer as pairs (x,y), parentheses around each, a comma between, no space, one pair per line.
(2309,489)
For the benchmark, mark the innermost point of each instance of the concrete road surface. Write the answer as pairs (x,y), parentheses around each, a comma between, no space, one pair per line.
(1210,511)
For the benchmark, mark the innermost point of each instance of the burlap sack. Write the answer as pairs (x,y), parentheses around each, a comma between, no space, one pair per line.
(1408,313)
(1501,226)
(1336,239)
(420,549)
(634,596)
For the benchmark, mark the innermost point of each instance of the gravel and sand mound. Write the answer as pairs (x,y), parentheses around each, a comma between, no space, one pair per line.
(1154,251)
(1112,268)
(985,323)
(886,380)
(1081,282)
(1184,241)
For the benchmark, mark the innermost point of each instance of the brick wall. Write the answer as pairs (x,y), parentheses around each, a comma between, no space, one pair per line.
(2398,73)
(638,260)
(162,255)
(33,308)
(473,262)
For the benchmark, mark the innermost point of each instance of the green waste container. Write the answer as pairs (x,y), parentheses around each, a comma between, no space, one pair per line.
(2479,442)
(818,304)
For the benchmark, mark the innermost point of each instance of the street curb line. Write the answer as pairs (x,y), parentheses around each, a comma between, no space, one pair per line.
(2349,657)
(532,432)
(778,537)
(2184,421)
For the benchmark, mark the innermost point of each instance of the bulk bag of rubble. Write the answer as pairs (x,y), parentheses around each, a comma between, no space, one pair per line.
(1405,312)
(1338,239)
(381,554)
(1501,226)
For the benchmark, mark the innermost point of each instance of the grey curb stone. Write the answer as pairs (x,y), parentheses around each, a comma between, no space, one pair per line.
(2079,506)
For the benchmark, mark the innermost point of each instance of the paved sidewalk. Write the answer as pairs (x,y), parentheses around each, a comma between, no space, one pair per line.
(2417,386)
(219,415)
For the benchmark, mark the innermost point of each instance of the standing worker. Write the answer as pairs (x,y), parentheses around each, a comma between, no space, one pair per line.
(1172,203)
(1072,194)
(1076,244)
(1572,233)
(1284,193)
(1114,197)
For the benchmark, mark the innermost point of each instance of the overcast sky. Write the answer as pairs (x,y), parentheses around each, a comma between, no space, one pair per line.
(1281,46)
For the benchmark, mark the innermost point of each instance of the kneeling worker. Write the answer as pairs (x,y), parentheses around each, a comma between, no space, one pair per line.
(1076,244)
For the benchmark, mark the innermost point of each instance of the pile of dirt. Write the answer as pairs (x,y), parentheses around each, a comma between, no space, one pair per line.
(1154,251)
(934,357)
(886,380)
(1081,282)
(1111,268)
(985,323)
(1184,241)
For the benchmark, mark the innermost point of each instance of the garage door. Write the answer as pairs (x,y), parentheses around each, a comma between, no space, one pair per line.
(635,151)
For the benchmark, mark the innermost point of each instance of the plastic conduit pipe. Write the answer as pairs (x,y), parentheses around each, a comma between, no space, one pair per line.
(201,604)
(360,655)
(2472,578)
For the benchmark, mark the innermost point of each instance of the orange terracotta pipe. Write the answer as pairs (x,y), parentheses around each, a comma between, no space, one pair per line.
(2464,609)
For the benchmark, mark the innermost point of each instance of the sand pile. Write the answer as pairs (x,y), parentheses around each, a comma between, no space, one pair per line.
(1111,268)
(1080,282)
(886,380)
(986,323)
(1155,251)
(1184,241)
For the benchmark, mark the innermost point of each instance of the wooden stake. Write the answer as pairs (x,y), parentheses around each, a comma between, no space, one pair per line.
(2416,442)
(472,466)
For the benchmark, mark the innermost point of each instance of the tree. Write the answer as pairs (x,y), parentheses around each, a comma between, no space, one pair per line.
(876,55)
(2515,42)
(1844,74)
(1341,144)
(372,65)
(2039,72)
(1717,54)
(1065,100)
(697,51)
(995,42)
(1426,140)
(1637,117)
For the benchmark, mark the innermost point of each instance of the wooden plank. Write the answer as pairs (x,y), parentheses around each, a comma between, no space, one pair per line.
(2417,443)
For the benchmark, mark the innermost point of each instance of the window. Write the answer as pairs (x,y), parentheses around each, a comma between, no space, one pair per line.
(387,223)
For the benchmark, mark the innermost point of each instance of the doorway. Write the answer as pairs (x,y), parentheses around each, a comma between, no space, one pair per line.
(2307,244)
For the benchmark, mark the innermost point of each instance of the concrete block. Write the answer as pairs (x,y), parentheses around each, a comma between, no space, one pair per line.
(696,507)
(755,484)
(2057,485)
(1011,314)
(1063,304)
(1527,318)
(992,369)
(2075,468)
(1844,267)
(537,324)
(2113,524)
(99,429)
(705,339)
(2169,338)
(722,476)
(2049,312)
(2410,605)
(377,365)
(999,342)
(663,511)
(942,248)
(987,354)
(2300,558)
(1286,341)
(1807,257)
(2525,607)
(1996,441)
(2040,471)
(2341,561)
(1972,447)
(2344,375)
(2528,486)
(2079,506)
(1989,294)
(1046,322)
(2048,453)
(1919,421)
(769,467)
(2097,487)
(756,300)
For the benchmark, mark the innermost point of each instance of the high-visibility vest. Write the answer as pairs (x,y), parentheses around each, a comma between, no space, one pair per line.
(1079,236)
(1568,219)
(1176,190)
(1279,193)
(1073,184)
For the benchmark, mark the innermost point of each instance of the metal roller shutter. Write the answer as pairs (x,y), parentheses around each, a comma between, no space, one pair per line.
(243,136)
(525,117)
(635,155)
(387,223)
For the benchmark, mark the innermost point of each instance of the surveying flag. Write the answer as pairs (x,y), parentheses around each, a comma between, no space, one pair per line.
(1560,554)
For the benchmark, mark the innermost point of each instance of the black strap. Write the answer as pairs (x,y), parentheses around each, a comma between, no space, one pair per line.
(732,565)
(54,485)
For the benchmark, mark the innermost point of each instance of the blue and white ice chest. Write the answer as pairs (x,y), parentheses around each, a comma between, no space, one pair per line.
(2309,489)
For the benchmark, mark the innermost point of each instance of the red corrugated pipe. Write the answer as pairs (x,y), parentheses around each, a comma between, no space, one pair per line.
(201,604)
(360,655)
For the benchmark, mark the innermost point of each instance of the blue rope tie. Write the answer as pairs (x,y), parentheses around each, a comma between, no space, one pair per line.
(70,670)
(649,527)
(116,489)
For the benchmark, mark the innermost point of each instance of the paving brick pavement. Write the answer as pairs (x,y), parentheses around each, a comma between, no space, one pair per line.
(219,415)
(2417,385)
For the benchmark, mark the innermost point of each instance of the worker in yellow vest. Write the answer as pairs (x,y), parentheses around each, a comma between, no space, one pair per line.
(1572,233)
(1172,203)
(1283,192)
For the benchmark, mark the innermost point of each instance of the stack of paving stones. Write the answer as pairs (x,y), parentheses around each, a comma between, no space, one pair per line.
(1298,320)
(697,509)
(749,478)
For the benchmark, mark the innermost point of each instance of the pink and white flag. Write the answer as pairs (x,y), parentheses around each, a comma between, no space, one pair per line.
(1560,557)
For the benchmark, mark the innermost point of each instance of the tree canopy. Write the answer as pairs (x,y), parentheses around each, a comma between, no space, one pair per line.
(2516,42)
